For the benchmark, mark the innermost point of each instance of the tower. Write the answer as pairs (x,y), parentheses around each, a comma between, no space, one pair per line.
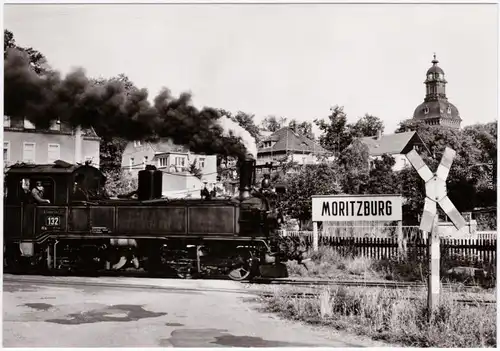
(436,110)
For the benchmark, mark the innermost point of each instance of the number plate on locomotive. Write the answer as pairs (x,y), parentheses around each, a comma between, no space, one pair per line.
(52,221)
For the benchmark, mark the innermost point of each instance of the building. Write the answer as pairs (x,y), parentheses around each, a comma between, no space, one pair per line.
(23,142)
(436,109)
(286,144)
(176,162)
(396,145)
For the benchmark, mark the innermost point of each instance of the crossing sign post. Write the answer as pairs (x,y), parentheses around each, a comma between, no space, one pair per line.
(436,194)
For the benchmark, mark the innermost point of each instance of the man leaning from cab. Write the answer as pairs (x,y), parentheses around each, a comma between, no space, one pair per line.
(37,193)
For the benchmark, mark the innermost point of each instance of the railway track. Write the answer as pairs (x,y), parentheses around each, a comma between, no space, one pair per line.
(360,283)
(93,282)
(309,295)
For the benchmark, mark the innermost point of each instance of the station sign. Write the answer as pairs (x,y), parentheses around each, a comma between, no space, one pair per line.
(353,208)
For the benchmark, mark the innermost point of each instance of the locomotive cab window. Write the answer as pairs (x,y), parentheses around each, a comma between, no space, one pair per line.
(35,190)
(42,190)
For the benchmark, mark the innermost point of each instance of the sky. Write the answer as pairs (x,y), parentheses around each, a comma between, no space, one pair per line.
(295,61)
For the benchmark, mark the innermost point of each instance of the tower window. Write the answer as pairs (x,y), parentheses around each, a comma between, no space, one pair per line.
(426,109)
(449,109)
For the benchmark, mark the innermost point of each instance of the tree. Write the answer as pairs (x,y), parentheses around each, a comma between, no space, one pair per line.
(336,135)
(472,178)
(303,128)
(368,125)
(119,182)
(309,180)
(353,163)
(272,124)
(36,58)
(245,120)
(382,179)
(194,170)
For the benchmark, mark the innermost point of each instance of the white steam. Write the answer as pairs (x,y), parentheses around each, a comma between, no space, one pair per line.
(231,128)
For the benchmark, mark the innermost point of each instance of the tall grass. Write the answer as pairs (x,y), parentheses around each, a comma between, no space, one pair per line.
(328,263)
(397,316)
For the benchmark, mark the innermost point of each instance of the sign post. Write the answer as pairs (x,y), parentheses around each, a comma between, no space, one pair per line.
(436,193)
(354,208)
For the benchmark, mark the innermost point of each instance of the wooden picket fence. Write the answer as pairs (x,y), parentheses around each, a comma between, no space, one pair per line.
(474,250)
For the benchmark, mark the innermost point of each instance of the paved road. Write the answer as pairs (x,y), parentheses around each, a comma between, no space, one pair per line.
(182,313)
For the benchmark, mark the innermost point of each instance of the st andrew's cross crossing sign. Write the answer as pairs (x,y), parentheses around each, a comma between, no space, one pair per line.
(435,189)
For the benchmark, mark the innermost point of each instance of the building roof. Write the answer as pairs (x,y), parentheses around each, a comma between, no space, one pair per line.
(287,140)
(58,166)
(89,133)
(436,109)
(435,68)
(389,144)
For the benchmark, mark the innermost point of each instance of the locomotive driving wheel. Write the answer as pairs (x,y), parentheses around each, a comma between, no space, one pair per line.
(242,267)
(240,273)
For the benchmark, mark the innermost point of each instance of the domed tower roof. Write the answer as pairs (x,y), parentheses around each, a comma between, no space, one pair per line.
(436,109)
(439,108)
(435,68)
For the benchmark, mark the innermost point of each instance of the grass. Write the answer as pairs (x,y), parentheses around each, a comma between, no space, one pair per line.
(396,316)
(328,263)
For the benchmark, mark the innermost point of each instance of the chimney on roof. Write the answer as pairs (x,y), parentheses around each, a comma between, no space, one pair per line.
(379,134)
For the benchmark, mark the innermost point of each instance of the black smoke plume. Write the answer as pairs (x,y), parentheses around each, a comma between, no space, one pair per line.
(112,108)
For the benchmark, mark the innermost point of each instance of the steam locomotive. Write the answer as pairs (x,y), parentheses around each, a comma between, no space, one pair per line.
(83,230)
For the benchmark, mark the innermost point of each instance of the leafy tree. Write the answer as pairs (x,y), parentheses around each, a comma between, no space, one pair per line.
(194,170)
(119,182)
(37,59)
(307,181)
(353,163)
(336,135)
(368,125)
(272,124)
(245,120)
(303,128)
(472,177)
(382,179)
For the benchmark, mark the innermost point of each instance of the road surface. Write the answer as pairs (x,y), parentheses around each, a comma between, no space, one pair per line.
(81,312)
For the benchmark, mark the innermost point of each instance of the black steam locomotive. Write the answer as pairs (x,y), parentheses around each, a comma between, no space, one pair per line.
(83,230)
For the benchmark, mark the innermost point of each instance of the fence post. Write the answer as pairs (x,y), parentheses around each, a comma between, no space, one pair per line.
(401,241)
(315,236)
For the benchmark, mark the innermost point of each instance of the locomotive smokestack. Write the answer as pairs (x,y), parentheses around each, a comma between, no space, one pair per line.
(247,168)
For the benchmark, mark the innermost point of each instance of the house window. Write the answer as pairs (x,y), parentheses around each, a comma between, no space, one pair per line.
(54,152)
(29,152)
(201,163)
(137,143)
(6,152)
(28,124)
(145,161)
(131,163)
(179,161)
(56,125)
(6,121)
(162,162)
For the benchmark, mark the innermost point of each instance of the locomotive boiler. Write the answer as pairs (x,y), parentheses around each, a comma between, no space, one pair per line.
(83,230)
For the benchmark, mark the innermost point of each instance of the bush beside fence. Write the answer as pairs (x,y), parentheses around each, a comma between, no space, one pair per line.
(473,250)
